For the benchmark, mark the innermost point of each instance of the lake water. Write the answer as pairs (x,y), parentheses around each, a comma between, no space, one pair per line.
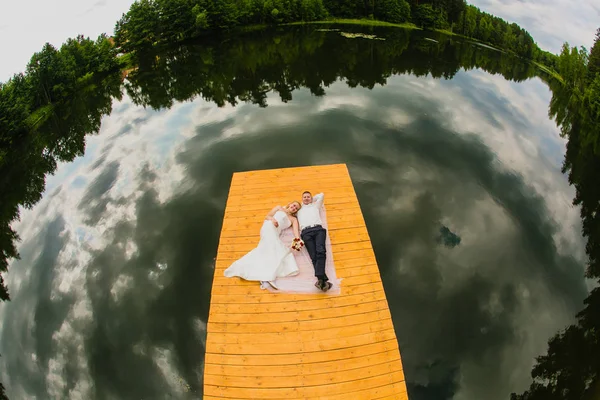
(455,163)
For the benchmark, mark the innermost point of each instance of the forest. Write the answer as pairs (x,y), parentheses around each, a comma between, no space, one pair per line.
(47,111)
(152,22)
(571,367)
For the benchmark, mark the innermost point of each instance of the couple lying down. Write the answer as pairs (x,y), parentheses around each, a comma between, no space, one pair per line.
(272,259)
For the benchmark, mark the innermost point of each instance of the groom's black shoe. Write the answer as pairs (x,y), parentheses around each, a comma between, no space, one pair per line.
(323,285)
(319,284)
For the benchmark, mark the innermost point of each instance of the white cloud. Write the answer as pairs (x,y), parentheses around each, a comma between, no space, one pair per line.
(534,152)
(161,136)
(550,22)
(27,25)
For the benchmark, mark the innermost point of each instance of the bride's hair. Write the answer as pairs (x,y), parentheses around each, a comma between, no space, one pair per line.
(292,202)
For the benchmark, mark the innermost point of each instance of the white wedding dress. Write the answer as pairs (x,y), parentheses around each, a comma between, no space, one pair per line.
(271,259)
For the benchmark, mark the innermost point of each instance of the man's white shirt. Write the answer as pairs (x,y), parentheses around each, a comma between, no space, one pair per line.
(308,215)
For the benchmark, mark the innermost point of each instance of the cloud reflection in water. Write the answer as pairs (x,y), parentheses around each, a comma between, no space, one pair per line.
(111,296)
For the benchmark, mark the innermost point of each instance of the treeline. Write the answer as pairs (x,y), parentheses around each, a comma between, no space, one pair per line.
(496,31)
(152,22)
(571,367)
(45,114)
(249,68)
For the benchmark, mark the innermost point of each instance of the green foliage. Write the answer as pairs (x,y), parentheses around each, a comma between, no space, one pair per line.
(45,115)
(467,23)
(571,367)
(493,30)
(349,8)
(2,392)
(248,70)
(545,58)
(396,11)
(484,30)
(594,59)
(150,23)
(425,16)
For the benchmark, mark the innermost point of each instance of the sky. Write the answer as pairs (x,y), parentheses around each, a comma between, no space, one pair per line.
(28,24)
(550,22)
(110,298)
(32,23)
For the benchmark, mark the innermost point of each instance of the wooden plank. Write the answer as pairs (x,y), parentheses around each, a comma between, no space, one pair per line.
(270,200)
(301,346)
(289,326)
(306,376)
(296,187)
(330,205)
(263,345)
(258,216)
(324,367)
(303,392)
(303,315)
(333,211)
(367,326)
(402,396)
(393,391)
(396,390)
(260,298)
(222,286)
(313,303)
(340,355)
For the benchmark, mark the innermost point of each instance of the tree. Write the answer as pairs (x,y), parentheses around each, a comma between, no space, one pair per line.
(396,11)
(455,8)
(484,30)
(470,21)
(571,367)
(139,28)
(508,39)
(425,16)
(594,60)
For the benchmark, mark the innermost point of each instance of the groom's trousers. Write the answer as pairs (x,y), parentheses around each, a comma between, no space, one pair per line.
(314,240)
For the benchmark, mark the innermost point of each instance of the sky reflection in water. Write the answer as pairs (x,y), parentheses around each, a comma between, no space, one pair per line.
(110,298)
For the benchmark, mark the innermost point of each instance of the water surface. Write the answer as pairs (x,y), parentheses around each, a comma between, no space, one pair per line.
(454,160)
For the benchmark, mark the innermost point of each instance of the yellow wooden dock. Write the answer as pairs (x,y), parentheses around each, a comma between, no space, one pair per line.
(264,345)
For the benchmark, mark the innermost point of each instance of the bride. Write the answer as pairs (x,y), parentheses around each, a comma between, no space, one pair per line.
(271,259)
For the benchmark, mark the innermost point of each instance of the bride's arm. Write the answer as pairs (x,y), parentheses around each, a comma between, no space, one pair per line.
(271,214)
(295,227)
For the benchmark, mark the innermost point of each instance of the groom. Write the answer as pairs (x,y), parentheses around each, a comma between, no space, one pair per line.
(313,234)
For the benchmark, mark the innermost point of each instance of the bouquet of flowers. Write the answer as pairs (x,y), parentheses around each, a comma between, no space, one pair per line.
(297,244)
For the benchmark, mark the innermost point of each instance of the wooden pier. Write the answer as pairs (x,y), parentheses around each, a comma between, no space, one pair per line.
(264,345)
